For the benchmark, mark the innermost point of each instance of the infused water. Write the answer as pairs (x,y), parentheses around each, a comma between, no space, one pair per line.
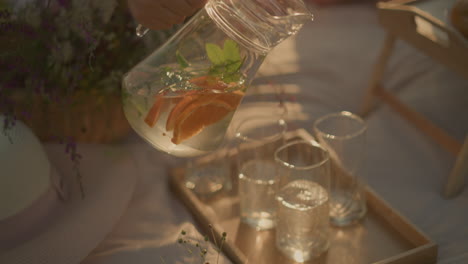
(188,117)
(181,97)
(303,221)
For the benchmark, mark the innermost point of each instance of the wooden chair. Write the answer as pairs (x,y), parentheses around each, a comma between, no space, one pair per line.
(402,19)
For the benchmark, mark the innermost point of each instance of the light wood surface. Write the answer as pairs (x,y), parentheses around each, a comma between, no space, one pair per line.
(384,236)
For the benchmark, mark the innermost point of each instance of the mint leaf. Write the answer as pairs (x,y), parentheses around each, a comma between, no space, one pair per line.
(226,61)
(233,67)
(215,53)
(232,56)
(233,77)
(217,70)
(181,60)
(231,51)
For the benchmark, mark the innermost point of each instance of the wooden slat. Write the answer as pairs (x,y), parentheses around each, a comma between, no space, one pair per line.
(419,121)
(398,20)
(396,220)
(377,75)
(426,254)
(456,179)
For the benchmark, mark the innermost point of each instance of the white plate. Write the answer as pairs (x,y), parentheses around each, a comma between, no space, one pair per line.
(79,225)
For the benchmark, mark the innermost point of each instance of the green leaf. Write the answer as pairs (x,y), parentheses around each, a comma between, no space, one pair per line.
(217,70)
(231,51)
(232,56)
(233,77)
(181,60)
(215,53)
(233,67)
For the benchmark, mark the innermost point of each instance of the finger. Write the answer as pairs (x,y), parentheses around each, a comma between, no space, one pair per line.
(179,7)
(165,14)
(155,24)
(196,4)
(155,16)
(158,25)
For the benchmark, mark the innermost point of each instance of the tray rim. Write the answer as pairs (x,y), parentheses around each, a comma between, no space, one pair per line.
(425,249)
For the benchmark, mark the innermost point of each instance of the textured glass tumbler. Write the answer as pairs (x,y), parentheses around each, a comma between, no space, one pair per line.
(302,225)
(343,134)
(209,174)
(257,139)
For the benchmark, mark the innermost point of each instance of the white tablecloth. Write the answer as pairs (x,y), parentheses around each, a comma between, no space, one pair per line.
(327,67)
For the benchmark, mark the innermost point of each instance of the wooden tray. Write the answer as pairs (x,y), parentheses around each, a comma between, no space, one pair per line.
(383,237)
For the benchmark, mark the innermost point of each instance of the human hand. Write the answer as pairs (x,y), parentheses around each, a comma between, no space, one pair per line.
(333,2)
(163,14)
(459,16)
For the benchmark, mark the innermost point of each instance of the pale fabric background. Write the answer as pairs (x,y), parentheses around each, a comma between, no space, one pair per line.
(327,67)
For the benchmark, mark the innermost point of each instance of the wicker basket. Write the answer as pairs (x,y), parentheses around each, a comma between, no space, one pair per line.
(85,117)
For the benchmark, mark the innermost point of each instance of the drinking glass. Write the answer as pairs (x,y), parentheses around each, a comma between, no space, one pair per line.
(209,174)
(257,138)
(302,228)
(343,134)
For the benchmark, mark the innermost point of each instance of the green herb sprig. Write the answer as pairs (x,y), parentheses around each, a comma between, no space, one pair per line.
(225,61)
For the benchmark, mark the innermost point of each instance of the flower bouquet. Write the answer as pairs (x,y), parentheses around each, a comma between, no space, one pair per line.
(61,65)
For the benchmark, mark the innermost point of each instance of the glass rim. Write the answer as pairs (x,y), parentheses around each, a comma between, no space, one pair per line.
(312,143)
(280,121)
(347,114)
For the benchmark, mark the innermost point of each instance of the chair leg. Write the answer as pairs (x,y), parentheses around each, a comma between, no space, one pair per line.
(456,179)
(377,75)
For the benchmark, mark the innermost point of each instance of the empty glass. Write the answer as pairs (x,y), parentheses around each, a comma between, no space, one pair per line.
(209,174)
(343,134)
(302,228)
(257,138)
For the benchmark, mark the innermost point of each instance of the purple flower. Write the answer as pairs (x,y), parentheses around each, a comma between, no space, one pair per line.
(64,3)
(5,14)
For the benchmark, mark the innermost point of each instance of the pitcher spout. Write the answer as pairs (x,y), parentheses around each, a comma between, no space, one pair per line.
(294,8)
(285,15)
(259,24)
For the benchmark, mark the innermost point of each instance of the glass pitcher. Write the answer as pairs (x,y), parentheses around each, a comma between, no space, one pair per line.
(182,97)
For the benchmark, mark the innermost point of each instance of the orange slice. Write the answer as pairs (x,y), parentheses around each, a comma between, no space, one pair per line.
(178,108)
(197,118)
(204,82)
(153,114)
(233,99)
(202,112)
